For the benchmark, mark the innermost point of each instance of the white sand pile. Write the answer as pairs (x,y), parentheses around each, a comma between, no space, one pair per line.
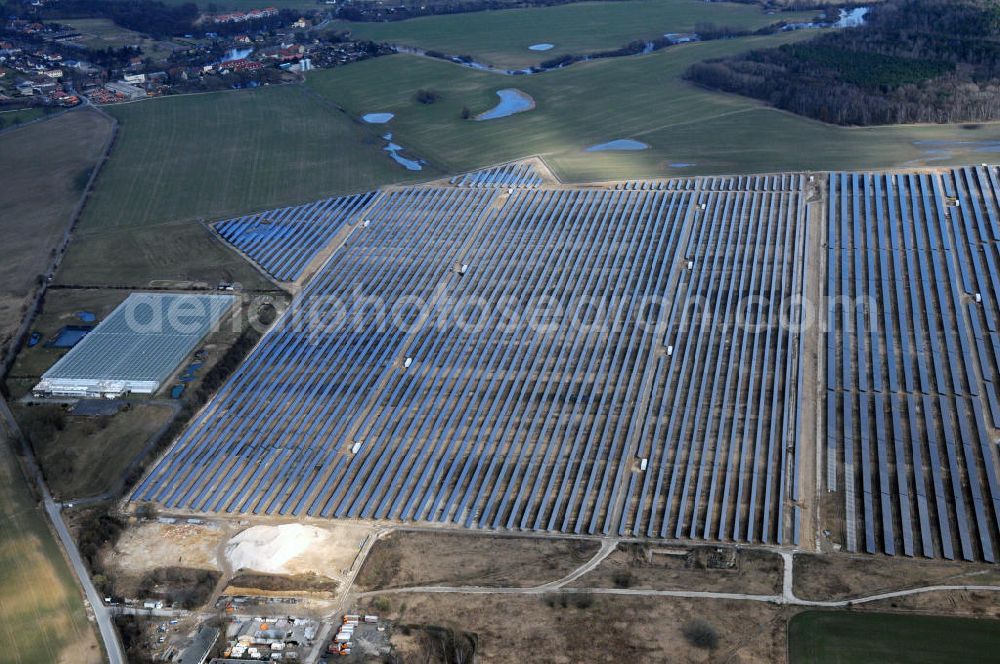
(269,549)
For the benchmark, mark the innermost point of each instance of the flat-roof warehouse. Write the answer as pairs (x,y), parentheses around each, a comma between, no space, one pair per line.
(137,347)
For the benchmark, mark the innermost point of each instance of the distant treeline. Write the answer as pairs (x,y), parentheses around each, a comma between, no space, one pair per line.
(375,11)
(913,61)
(150,17)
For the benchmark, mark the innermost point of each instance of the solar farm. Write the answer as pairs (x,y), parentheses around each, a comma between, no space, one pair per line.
(912,408)
(502,352)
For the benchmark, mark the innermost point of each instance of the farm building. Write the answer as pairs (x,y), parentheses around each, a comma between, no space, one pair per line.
(135,348)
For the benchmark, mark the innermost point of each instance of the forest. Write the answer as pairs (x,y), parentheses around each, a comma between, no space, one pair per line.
(926,61)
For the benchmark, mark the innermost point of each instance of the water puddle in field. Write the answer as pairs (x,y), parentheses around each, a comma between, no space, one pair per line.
(541,47)
(396,154)
(86,316)
(945,150)
(626,144)
(377,118)
(682,164)
(512,101)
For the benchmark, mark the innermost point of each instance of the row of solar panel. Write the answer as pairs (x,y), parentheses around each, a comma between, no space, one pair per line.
(900,340)
(517,174)
(284,241)
(566,427)
(791,182)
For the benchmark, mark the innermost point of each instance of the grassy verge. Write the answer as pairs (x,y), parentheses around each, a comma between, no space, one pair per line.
(842,636)
(502,37)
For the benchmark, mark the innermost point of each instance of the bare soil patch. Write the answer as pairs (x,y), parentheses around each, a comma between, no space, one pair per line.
(519,628)
(409,558)
(843,577)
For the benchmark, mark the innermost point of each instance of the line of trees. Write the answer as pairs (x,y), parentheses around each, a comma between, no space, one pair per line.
(914,61)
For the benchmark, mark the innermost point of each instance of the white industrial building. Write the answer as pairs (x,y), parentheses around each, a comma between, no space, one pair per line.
(135,348)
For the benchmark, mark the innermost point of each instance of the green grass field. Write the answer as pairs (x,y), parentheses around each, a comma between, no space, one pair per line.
(41,610)
(843,637)
(641,97)
(211,155)
(178,159)
(502,38)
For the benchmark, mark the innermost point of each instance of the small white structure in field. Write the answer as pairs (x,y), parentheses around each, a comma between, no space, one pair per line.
(407,362)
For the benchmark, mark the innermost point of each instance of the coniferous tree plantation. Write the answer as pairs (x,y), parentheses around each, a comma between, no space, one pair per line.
(929,61)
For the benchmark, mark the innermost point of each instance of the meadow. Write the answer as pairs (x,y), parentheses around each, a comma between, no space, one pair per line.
(502,38)
(41,608)
(690,130)
(821,637)
(210,156)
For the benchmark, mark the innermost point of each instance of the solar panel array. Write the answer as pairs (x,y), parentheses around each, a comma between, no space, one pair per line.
(912,375)
(143,339)
(516,174)
(780,182)
(285,240)
(685,426)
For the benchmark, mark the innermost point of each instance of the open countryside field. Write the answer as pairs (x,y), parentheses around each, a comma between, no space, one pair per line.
(689,130)
(211,156)
(502,38)
(820,637)
(41,610)
(45,168)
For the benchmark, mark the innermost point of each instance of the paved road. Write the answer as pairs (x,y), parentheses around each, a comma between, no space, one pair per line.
(109,636)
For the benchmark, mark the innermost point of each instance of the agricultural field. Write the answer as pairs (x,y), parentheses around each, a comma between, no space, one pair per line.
(41,607)
(45,168)
(501,38)
(103,33)
(180,159)
(689,130)
(821,637)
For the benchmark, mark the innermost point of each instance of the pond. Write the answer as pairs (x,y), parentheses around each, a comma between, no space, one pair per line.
(512,101)
(377,118)
(69,336)
(627,144)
